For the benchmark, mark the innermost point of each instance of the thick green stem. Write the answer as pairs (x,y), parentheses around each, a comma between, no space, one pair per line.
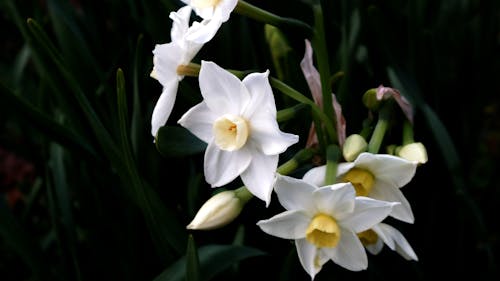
(246,9)
(380,129)
(243,194)
(332,158)
(292,164)
(407,133)
(289,113)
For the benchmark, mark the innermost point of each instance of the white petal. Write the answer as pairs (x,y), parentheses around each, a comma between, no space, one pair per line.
(163,107)
(307,255)
(294,194)
(223,92)
(382,191)
(261,95)
(180,23)
(259,176)
(349,252)
(401,244)
(343,168)
(266,135)
(387,239)
(286,225)
(376,248)
(224,9)
(199,121)
(367,212)
(221,167)
(202,32)
(166,59)
(336,200)
(388,168)
(315,176)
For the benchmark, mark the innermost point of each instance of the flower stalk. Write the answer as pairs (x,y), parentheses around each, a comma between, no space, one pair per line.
(380,129)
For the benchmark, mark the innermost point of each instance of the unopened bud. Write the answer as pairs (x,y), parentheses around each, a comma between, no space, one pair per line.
(219,210)
(354,145)
(370,99)
(414,152)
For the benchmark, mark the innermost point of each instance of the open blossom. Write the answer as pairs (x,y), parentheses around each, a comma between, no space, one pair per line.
(380,234)
(379,176)
(167,59)
(324,221)
(214,14)
(238,121)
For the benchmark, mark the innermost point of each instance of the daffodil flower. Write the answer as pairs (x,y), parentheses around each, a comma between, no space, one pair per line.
(380,234)
(379,176)
(214,14)
(167,58)
(324,221)
(238,121)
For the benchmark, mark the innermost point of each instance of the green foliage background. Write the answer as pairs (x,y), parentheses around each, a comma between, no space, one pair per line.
(102,202)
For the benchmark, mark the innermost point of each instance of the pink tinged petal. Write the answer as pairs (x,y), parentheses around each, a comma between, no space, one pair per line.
(261,95)
(287,225)
(393,170)
(221,166)
(367,213)
(202,32)
(163,107)
(294,194)
(401,245)
(259,176)
(267,137)
(311,75)
(199,121)
(349,252)
(382,191)
(336,200)
(315,176)
(312,138)
(340,121)
(307,253)
(223,92)
(166,59)
(386,92)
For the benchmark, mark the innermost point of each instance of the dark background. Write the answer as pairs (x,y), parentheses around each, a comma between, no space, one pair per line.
(71,211)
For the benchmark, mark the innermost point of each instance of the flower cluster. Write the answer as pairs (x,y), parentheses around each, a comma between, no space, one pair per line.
(338,208)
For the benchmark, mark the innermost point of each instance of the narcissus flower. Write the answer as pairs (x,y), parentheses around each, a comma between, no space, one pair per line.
(324,222)
(167,59)
(379,176)
(238,121)
(214,14)
(375,238)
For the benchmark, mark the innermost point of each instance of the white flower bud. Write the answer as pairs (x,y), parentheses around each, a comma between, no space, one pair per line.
(218,211)
(414,152)
(353,146)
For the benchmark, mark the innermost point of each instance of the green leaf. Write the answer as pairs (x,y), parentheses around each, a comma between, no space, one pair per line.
(213,260)
(193,263)
(178,142)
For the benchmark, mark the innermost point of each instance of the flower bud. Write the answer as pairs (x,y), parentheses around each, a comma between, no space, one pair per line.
(414,152)
(370,99)
(354,145)
(219,210)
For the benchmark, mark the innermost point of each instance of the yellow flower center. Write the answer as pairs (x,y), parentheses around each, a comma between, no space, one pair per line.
(204,3)
(231,132)
(368,237)
(361,179)
(323,231)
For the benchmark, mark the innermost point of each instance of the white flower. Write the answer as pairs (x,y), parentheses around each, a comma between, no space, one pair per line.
(375,238)
(214,13)
(167,58)
(324,222)
(238,121)
(378,176)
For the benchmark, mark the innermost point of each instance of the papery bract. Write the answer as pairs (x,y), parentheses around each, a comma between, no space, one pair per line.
(238,121)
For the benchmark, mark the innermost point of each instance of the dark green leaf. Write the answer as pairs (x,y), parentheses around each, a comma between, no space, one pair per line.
(178,142)
(193,263)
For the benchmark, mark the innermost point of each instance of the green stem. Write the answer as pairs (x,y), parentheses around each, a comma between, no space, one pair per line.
(407,132)
(380,129)
(246,9)
(243,194)
(289,113)
(292,164)
(332,158)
